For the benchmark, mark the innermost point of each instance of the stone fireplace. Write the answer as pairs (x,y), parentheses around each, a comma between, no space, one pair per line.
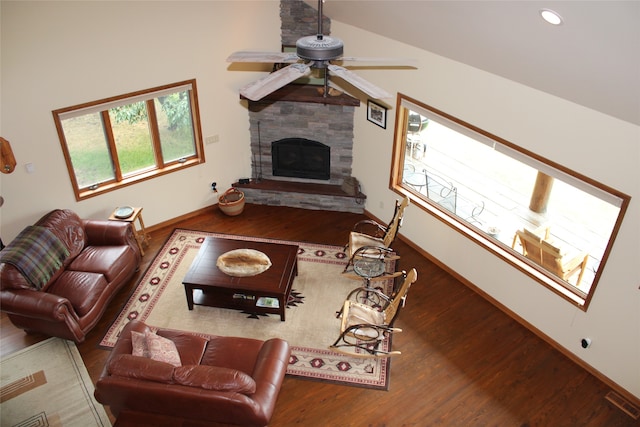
(294,114)
(299,112)
(327,124)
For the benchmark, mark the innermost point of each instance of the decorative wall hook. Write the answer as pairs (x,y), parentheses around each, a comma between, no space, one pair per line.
(7,159)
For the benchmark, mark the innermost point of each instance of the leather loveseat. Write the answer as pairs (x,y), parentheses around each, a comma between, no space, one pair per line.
(58,276)
(217,379)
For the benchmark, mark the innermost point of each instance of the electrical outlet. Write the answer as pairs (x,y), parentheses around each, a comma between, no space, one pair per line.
(212,139)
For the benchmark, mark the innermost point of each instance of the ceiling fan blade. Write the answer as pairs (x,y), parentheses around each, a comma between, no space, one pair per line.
(269,57)
(362,84)
(405,62)
(274,81)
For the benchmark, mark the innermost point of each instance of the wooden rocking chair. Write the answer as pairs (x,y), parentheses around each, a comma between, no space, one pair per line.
(371,233)
(365,326)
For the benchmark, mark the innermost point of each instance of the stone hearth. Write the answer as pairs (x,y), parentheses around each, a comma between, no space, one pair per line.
(300,195)
(298,111)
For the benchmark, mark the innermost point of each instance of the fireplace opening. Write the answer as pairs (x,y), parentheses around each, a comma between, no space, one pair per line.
(301,158)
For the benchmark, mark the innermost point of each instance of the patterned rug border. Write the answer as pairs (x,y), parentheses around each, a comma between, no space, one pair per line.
(308,353)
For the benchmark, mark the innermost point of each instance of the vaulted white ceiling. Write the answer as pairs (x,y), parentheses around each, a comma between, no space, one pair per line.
(592,59)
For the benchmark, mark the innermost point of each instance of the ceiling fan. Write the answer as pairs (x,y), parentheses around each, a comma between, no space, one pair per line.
(311,52)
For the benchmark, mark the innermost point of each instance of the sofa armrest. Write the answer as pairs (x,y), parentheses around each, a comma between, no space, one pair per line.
(110,233)
(36,304)
(270,368)
(124,345)
(104,232)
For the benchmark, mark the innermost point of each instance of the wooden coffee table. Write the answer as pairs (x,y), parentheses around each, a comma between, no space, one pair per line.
(242,293)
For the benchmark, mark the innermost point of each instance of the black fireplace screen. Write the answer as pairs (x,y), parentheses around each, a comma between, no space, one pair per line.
(301,158)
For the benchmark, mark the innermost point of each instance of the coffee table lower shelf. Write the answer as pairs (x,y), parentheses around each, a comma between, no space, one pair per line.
(234,301)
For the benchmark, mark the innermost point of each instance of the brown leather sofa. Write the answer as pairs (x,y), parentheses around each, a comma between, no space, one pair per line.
(94,260)
(225,380)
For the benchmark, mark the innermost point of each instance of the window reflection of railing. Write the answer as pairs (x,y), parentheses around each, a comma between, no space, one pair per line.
(470,210)
(442,192)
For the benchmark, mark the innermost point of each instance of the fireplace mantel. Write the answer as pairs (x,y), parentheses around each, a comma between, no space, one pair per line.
(307,93)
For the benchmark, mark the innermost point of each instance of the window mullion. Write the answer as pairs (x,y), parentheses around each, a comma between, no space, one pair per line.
(195,118)
(398,160)
(155,133)
(108,131)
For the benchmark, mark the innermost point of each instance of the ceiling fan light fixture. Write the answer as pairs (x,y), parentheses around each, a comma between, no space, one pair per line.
(551,16)
(316,48)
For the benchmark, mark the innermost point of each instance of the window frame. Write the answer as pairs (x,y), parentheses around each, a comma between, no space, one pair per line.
(506,253)
(161,167)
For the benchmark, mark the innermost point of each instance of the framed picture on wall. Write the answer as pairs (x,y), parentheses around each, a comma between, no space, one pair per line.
(377,114)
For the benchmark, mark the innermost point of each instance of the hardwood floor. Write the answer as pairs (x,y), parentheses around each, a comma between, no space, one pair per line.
(463,362)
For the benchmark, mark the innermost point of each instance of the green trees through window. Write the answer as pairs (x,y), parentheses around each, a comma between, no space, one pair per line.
(121,140)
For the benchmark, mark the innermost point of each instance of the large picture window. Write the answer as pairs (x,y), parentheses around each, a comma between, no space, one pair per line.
(552,223)
(122,140)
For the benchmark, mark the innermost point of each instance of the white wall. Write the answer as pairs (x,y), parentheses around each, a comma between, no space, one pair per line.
(596,145)
(57,54)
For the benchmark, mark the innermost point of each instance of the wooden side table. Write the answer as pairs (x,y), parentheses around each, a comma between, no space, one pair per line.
(140,235)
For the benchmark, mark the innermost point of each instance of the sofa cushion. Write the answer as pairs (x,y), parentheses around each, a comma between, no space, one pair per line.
(204,377)
(232,352)
(214,378)
(190,346)
(142,368)
(82,289)
(107,260)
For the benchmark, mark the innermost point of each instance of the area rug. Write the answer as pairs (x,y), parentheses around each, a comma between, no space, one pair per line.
(47,384)
(311,325)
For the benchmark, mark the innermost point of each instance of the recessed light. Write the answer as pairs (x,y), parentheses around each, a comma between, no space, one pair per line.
(552,17)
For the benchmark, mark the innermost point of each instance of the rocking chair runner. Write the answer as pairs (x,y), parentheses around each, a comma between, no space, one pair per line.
(371,233)
(365,325)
